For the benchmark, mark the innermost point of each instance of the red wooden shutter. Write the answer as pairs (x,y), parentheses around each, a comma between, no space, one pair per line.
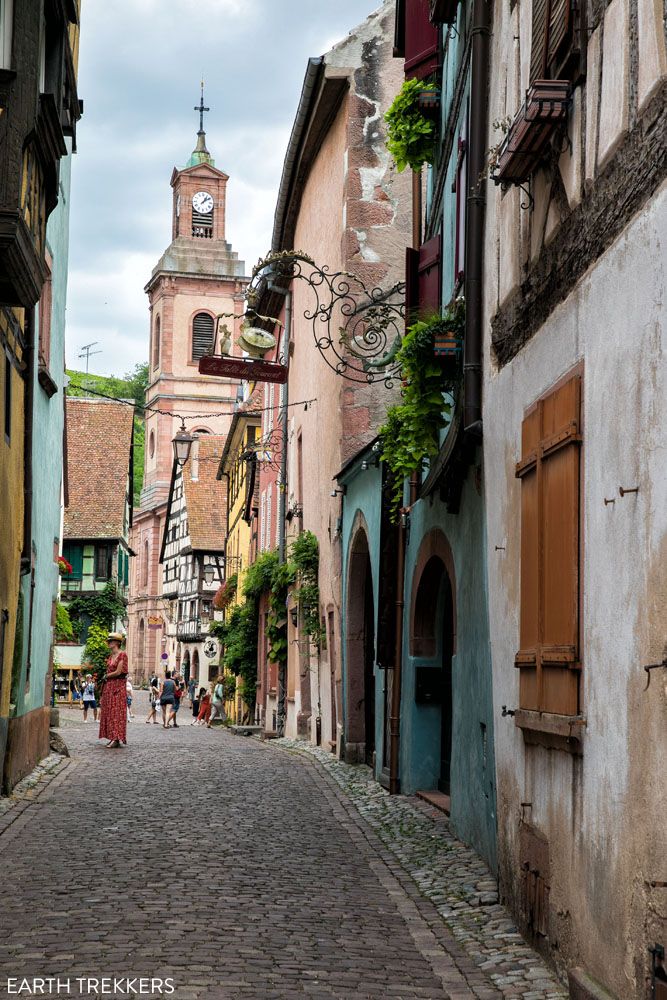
(421,40)
(538,49)
(411,285)
(430,277)
(550,495)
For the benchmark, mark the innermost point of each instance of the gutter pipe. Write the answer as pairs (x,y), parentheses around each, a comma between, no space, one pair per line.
(474,255)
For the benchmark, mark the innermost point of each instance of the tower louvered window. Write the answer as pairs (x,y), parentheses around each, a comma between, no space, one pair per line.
(202,335)
(202,224)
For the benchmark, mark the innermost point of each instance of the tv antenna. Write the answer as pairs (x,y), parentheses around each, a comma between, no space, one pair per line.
(87,353)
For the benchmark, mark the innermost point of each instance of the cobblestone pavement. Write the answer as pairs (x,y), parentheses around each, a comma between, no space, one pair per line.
(233,869)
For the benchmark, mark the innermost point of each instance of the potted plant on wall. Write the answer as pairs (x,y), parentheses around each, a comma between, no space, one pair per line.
(411,126)
(430,358)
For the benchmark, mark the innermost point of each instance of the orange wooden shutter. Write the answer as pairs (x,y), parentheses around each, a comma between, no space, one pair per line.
(549,470)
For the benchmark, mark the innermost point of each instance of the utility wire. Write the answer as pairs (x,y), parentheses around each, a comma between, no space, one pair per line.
(180,416)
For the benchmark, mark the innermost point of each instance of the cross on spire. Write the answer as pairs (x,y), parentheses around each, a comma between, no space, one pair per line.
(201,109)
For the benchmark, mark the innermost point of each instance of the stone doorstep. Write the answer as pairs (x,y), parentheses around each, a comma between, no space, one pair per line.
(436,799)
(582,987)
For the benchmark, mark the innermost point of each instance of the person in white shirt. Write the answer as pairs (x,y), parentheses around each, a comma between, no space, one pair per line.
(129,691)
(88,696)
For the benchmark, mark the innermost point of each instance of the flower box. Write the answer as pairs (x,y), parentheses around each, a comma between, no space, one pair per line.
(545,108)
(448,350)
(429,102)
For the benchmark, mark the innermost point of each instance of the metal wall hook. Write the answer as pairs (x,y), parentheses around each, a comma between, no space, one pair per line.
(508,711)
(607,502)
(622,491)
(653,666)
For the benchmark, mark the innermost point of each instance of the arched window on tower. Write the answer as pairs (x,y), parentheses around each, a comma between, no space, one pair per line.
(145,568)
(202,335)
(156,345)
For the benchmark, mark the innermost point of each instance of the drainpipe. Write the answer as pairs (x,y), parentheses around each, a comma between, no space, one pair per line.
(474,256)
(29,360)
(395,714)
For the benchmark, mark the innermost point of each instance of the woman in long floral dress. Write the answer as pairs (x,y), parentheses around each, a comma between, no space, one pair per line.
(113,713)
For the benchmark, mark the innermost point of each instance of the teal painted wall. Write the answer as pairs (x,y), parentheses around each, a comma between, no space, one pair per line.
(48,419)
(363,496)
(473,795)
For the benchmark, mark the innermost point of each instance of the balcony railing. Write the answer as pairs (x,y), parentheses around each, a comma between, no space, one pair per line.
(191,629)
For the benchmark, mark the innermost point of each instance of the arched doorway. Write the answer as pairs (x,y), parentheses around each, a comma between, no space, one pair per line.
(141,650)
(360,679)
(194,670)
(433,645)
(184,668)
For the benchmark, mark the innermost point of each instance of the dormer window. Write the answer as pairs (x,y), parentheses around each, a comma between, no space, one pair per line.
(202,215)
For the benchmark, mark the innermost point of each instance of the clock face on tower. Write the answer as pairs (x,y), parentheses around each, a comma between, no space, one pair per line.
(202,202)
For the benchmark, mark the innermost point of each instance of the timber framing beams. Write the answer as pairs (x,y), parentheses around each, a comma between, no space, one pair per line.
(629,180)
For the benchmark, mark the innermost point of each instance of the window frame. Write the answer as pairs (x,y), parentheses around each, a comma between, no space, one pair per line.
(102,551)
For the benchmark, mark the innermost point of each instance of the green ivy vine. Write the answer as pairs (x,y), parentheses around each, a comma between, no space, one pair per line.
(410,134)
(305,556)
(411,432)
(102,608)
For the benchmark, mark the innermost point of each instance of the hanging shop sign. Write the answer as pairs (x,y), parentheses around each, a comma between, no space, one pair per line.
(210,648)
(155,622)
(248,369)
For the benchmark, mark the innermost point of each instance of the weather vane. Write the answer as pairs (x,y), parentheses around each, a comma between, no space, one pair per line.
(201,108)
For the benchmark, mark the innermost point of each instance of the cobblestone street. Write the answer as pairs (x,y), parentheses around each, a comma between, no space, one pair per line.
(246,870)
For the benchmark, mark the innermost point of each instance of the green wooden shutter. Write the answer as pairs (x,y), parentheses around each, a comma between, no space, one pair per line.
(74,556)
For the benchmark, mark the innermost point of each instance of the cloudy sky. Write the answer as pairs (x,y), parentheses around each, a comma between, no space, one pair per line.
(141,63)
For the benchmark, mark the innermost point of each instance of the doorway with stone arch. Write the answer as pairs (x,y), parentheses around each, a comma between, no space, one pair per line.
(360,651)
(433,645)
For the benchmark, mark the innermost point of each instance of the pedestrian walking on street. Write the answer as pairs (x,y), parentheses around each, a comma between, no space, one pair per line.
(179,692)
(195,705)
(113,708)
(129,692)
(154,701)
(217,702)
(192,687)
(167,699)
(204,707)
(88,696)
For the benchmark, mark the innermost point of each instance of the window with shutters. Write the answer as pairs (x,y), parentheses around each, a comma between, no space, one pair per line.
(202,335)
(416,38)
(460,188)
(549,656)
(423,280)
(554,50)
(102,562)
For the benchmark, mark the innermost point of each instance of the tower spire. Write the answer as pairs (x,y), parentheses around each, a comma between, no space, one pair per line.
(200,153)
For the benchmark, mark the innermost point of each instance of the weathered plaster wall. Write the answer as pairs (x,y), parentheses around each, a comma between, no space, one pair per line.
(603,813)
(473,815)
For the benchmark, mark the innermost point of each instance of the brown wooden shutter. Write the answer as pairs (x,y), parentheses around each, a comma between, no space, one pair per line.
(559,27)
(550,496)
(538,49)
(420,39)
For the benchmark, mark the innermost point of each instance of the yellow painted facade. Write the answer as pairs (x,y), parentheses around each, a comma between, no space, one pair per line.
(239,545)
(12,399)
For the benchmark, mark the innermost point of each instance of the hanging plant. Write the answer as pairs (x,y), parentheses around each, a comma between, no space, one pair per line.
(411,132)
(64,568)
(225,593)
(411,433)
(305,555)
(276,630)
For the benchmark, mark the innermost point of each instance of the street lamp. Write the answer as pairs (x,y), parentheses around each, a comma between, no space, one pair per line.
(209,573)
(182,444)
